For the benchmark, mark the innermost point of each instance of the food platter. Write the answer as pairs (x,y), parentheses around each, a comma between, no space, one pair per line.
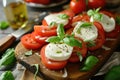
(73,72)
(35,5)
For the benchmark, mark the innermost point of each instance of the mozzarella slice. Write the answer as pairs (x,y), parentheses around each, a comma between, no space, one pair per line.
(86,33)
(58,52)
(107,22)
(55,18)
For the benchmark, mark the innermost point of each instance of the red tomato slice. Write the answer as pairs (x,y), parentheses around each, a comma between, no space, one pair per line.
(45,31)
(77,6)
(68,12)
(29,42)
(83,50)
(49,63)
(83,17)
(38,38)
(100,39)
(114,33)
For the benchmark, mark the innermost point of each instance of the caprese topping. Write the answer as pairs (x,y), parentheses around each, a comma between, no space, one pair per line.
(58,52)
(86,31)
(107,22)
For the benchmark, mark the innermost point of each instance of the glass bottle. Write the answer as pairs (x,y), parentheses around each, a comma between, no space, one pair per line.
(16,12)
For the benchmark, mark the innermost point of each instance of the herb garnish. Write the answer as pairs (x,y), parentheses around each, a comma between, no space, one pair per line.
(28,53)
(62,38)
(95,14)
(63,16)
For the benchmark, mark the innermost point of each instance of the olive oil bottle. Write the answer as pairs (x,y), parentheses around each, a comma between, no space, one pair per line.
(16,12)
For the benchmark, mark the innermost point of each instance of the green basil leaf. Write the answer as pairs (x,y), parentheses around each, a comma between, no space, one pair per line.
(28,53)
(91,43)
(80,56)
(113,73)
(117,20)
(63,16)
(85,25)
(52,24)
(53,39)
(90,62)
(97,10)
(4,25)
(97,16)
(37,69)
(60,31)
(8,58)
(72,41)
(90,12)
(7,75)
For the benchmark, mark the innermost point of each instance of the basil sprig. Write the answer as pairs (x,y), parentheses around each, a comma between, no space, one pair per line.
(37,69)
(63,16)
(117,20)
(95,14)
(62,38)
(85,25)
(8,57)
(28,53)
(89,63)
(7,75)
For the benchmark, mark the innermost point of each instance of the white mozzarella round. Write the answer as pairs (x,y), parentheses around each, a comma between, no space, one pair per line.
(107,22)
(86,33)
(55,18)
(58,52)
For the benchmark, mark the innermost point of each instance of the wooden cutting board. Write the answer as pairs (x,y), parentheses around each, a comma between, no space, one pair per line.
(72,69)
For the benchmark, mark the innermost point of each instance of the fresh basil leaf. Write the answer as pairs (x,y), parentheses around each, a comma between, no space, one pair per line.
(97,10)
(117,20)
(8,58)
(90,12)
(89,63)
(91,43)
(4,25)
(53,39)
(52,24)
(63,16)
(37,69)
(85,25)
(72,41)
(97,16)
(60,31)
(113,73)
(7,75)
(28,53)
(80,56)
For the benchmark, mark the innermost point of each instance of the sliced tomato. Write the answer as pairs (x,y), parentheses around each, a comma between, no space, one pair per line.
(45,31)
(29,42)
(49,63)
(38,38)
(82,17)
(108,13)
(100,39)
(68,12)
(83,50)
(114,33)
